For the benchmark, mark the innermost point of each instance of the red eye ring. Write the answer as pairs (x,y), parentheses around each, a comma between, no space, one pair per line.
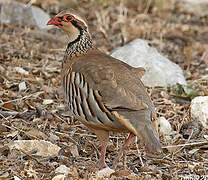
(68,18)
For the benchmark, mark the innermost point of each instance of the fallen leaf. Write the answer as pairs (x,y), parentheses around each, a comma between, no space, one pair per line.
(3,128)
(74,151)
(9,105)
(121,173)
(35,133)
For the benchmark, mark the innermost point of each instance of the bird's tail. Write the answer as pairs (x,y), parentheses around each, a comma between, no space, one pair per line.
(140,124)
(150,140)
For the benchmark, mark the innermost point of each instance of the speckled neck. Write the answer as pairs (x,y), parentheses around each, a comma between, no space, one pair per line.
(80,45)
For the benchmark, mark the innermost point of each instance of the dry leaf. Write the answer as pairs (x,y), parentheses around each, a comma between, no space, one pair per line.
(121,173)
(74,151)
(9,105)
(35,133)
(3,128)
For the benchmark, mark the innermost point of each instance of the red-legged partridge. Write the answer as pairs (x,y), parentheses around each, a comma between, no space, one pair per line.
(104,93)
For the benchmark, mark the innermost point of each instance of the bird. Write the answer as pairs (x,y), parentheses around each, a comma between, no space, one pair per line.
(104,93)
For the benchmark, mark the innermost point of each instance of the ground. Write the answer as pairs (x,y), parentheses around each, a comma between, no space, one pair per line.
(32,106)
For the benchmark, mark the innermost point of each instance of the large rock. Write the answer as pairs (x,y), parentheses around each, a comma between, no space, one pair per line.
(19,13)
(197,7)
(199,110)
(160,71)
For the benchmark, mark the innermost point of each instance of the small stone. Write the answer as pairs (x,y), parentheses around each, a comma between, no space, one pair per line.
(21,70)
(16,178)
(199,110)
(164,126)
(22,86)
(59,177)
(47,101)
(206,137)
(106,172)
(62,169)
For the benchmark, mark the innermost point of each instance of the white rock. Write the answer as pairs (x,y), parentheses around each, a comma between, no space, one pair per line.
(199,109)
(62,169)
(19,13)
(105,172)
(22,86)
(164,126)
(44,148)
(197,7)
(159,70)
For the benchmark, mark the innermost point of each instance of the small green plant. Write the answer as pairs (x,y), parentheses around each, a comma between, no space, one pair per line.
(189,91)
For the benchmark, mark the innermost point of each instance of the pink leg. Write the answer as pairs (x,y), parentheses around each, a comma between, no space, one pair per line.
(123,149)
(101,163)
(103,136)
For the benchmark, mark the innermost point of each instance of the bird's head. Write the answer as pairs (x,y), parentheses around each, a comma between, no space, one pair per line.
(70,22)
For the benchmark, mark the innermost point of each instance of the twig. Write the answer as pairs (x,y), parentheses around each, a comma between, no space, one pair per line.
(147,7)
(186,141)
(66,135)
(5,114)
(15,128)
(25,97)
(60,49)
(187,144)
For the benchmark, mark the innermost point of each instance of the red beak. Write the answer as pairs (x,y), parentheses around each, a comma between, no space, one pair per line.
(54,21)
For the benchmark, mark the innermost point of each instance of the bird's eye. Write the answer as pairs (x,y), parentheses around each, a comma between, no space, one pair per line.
(68,18)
